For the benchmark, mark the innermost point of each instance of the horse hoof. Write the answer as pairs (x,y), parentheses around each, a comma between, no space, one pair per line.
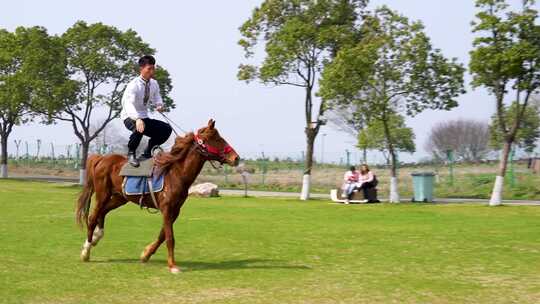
(174,270)
(146,254)
(85,256)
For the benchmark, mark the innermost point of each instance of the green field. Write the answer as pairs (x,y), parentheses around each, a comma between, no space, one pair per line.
(246,250)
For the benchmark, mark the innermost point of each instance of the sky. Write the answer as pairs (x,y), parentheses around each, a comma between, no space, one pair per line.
(196,41)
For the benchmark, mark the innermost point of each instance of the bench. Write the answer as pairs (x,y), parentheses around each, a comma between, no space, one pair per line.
(357,197)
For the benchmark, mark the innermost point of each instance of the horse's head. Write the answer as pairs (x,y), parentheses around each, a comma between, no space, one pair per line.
(214,147)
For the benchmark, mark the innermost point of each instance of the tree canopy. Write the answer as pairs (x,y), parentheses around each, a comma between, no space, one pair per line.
(505,60)
(299,37)
(527,134)
(31,72)
(100,60)
(391,68)
(373,136)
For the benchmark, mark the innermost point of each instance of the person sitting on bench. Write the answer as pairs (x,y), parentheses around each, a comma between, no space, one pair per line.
(350,182)
(366,181)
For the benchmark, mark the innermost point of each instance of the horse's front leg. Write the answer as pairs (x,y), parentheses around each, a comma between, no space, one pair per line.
(168,219)
(166,233)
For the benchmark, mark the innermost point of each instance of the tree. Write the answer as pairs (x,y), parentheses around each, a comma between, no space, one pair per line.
(392,68)
(467,138)
(299,37)
(373,137)
(31,62)
(348,119)
(505,60)
(527,134)
(102,60)
(110,139)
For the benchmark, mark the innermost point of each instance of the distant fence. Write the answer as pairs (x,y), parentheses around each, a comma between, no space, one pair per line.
(282,173)
(38,153)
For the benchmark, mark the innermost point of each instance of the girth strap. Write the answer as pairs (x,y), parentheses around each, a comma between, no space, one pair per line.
(151,189)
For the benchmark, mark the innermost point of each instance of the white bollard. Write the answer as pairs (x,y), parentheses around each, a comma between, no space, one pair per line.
(394,194)
(82,176)
(306,183)
(496,195)
(3,171)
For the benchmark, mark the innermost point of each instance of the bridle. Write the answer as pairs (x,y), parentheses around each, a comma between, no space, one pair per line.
(209,152)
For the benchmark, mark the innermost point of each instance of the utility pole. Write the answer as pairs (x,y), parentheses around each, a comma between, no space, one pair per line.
(263,167)
(450,157)
(322,147)
(38,148)
(68,154)
(52,153)
(17,144)
(511,171)
(77,154)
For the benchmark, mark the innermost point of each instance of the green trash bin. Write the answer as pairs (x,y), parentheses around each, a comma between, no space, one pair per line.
(423,186)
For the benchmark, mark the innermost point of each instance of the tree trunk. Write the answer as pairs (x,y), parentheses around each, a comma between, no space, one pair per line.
(496,195)
(4,160)
(85,145)
(311,133)
(394,191)
(364,155)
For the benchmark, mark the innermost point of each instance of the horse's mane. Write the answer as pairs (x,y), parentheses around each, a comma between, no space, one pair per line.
(179,151)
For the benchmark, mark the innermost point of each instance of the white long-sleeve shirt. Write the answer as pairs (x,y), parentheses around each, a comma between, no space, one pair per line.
(133,99)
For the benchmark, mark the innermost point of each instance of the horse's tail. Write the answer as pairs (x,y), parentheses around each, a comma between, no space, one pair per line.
(85,198)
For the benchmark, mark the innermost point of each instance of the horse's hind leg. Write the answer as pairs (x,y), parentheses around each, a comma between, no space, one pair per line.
(115,202)
(98,212)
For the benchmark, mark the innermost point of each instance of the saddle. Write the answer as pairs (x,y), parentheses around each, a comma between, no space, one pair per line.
(141,181)
(144,169)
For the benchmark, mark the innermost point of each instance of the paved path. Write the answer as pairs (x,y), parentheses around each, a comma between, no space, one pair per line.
(292,194)
(327,196)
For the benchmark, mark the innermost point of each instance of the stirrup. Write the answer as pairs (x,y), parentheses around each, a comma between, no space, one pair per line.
(156,150)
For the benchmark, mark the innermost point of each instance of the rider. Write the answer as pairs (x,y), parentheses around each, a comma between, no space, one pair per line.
(135,101)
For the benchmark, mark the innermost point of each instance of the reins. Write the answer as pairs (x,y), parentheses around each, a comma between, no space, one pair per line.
(209,152)
(172,122)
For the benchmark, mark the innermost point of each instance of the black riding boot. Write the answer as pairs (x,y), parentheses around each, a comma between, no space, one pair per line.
(149,152)
(132,160)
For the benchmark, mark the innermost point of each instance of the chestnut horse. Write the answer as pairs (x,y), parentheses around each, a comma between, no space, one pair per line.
(181,166)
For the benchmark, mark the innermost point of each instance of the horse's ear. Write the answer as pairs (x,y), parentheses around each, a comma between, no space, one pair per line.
(211,124)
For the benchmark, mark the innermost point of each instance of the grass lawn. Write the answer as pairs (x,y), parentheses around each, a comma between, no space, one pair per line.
(238,250)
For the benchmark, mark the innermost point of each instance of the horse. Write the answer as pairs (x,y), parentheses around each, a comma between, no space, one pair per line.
(180,167)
